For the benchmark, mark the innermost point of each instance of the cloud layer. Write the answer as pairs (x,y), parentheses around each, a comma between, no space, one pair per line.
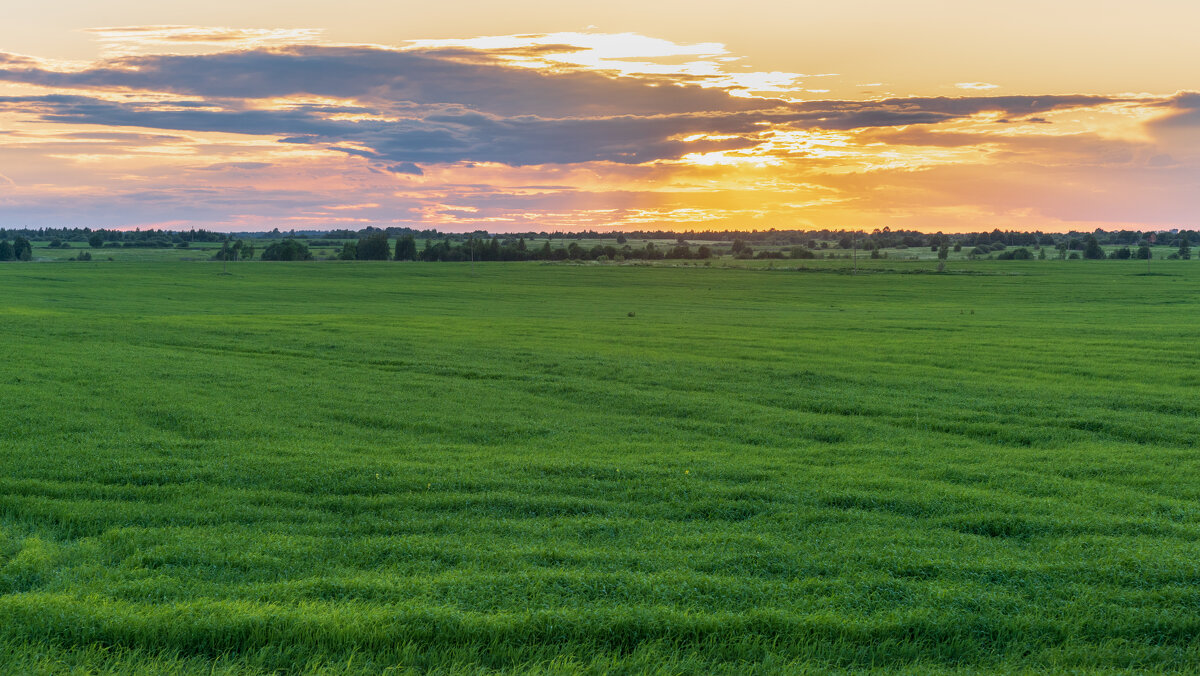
(439,124)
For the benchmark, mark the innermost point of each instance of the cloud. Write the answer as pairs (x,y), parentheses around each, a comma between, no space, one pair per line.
(129,40)
(387,78)
(245,166)
(1183,110)
(536,132)
(976,85)
(405,108)
(405,168)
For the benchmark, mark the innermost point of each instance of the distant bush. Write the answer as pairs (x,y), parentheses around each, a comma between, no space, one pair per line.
(1021,254)
(1122,254)
(22,249)
(406,248)
(287,250)
(96,240)
(374,247)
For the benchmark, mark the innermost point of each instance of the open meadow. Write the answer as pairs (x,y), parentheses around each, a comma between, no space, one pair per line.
(356,467)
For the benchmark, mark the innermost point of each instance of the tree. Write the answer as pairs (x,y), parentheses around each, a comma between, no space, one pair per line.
(621,239)
(349,252)
(1185,247)
(406,248)
(1091,249)
(1143,253)
(943,252)
(287,250)
(6,251)
(22,249)
(374,247)
(232,251)
(96,240)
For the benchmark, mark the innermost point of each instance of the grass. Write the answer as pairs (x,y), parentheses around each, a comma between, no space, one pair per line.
(351,468)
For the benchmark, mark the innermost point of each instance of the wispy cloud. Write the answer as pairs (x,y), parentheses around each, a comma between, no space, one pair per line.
(127,40)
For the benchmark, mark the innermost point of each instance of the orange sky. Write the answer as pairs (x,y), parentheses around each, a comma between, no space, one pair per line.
(546,116)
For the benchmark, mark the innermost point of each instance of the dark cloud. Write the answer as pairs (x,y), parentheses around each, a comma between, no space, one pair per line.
(415,107)
(405,168)
(384,76)
(1183,110)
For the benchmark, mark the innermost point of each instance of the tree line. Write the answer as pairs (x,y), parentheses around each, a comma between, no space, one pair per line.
(375,244)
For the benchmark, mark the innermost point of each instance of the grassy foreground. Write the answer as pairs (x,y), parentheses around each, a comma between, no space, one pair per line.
(325,468)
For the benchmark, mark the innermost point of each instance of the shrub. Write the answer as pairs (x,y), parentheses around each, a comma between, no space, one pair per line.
(374,247)
(287,250)
(22,249)
(406,248)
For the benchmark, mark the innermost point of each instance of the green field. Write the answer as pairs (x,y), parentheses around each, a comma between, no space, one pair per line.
(357,468)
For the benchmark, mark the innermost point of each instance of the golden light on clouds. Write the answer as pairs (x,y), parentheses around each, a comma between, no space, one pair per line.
(245,128)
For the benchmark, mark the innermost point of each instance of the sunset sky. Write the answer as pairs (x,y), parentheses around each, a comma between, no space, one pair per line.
(523,115)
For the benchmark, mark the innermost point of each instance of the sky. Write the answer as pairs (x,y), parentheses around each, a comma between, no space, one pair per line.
(563,116)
